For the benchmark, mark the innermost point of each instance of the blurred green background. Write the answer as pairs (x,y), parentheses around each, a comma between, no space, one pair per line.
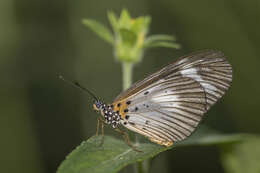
(42,118)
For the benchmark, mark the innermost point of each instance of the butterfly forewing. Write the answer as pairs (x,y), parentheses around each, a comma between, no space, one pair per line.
(168,105)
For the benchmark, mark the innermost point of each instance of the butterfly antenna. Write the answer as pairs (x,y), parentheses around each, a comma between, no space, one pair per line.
(77,85)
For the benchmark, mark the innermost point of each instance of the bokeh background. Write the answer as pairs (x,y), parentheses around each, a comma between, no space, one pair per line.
(42,118)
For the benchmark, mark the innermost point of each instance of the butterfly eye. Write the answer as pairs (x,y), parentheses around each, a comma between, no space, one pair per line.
(96,107)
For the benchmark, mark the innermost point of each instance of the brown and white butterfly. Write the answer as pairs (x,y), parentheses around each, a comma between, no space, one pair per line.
(168,105)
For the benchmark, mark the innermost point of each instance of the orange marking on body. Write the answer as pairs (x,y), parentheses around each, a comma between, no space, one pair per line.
(121,106)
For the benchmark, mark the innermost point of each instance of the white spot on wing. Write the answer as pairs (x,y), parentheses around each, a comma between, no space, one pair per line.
(189,71)
(193,73)
(163,97)
(209,86)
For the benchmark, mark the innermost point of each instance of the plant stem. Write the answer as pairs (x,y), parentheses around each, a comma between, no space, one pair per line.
(127,74)
(143,167)
(140,167)
(127,67)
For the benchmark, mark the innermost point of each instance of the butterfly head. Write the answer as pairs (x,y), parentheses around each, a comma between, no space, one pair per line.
(98,105)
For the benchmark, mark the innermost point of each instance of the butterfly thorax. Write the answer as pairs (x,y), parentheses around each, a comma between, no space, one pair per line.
(110,116)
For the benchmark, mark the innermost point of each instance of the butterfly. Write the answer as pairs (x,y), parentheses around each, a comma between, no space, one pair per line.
(168,105)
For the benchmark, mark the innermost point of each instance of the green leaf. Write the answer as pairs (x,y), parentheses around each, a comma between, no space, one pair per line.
(128,37)
(113,20)
(141,25)
(111,157)
(161,40)
(242,157)
(162,44)
(99,29)
(124,19)
(160,37)
(115,154)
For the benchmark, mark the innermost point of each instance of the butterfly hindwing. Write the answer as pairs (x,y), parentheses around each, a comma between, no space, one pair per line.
(172,111)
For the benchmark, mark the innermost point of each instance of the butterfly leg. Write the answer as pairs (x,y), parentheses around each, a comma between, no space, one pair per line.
(100,122)
(102,130)
(97,130)
(127,140)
